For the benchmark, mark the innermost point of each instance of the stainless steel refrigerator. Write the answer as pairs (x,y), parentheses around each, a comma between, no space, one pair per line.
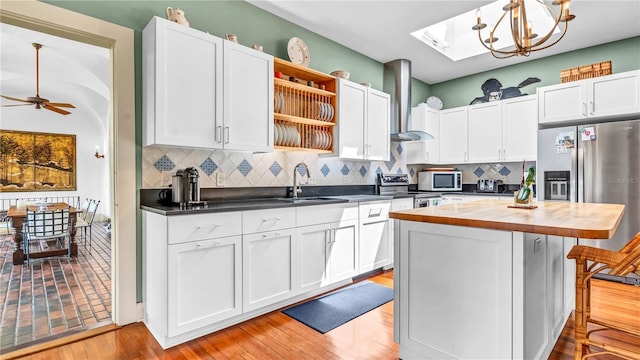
(596,163)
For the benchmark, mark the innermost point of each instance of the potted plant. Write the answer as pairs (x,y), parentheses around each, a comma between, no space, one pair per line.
(525,194)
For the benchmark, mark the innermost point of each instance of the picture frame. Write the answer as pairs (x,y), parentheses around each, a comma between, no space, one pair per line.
(36,161)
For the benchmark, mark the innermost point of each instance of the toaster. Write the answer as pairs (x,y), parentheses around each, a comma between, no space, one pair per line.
(488,185)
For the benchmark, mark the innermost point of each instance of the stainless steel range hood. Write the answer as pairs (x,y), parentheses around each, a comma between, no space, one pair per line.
(397,83)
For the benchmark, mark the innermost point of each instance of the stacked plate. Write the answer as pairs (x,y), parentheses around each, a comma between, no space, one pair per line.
(322,111)
(318,139)
(278,102)
(286,135)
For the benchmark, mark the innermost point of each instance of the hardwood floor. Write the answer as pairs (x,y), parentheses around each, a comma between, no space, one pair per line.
(271,336)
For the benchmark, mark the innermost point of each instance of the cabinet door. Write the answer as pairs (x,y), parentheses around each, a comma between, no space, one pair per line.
(377,126)
(562,102)
(453,136)
(204,283)
(268,268)
(182,85)
(351,118)
(343,250)
(424,119)
(375,248)
(248,99)
(485,132)
(612,95)
(313,259)
(520,128)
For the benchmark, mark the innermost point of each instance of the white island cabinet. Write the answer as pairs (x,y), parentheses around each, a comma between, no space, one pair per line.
(475,282)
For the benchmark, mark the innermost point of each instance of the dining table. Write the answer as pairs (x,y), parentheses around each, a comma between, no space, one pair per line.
(17,216)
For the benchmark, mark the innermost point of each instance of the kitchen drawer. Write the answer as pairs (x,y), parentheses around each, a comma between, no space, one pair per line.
(374,210)
(204,226)
(322,214)
(266,220)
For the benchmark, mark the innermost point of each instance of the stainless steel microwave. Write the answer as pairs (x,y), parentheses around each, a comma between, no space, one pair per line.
(440,181)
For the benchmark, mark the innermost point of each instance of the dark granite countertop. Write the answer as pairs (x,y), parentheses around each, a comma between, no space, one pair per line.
(236,199)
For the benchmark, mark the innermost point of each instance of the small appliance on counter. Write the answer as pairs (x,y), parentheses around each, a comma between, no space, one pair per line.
(398,184)
(436,180)
(489,186)
(186,188)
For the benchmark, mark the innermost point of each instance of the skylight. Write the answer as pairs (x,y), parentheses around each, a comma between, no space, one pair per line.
(455,39)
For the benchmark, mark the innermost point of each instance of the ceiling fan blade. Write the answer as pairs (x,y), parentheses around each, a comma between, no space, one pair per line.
(16,99)
(55,109)
(17,105)
(64,105)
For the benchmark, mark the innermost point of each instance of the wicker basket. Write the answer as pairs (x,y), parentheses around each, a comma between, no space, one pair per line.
(586,71)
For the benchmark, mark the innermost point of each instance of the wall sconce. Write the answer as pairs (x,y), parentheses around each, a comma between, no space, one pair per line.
(97,154)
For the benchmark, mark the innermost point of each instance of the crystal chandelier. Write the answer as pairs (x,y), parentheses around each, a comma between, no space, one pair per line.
(524,39)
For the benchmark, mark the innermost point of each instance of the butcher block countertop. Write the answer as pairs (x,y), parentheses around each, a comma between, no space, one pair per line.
(582,220)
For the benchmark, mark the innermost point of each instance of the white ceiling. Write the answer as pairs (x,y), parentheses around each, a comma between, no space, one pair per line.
(381,29)
(70,72)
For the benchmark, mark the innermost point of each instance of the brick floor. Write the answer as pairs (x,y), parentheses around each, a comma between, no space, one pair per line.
(53,296)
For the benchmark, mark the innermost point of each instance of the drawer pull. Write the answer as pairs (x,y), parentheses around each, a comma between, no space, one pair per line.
(212,227)
(274,219)
(200,246)
(373,213)
(273,236)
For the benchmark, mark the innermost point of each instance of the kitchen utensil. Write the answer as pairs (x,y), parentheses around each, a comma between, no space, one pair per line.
(298,51)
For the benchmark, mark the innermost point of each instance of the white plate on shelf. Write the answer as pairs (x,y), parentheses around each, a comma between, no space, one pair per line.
(298,51)
(434,102)
(276,135)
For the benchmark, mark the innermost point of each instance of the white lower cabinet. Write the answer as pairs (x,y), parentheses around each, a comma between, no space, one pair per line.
(204,283)
(328,253)
(375,236)
(205,272)
(269,264)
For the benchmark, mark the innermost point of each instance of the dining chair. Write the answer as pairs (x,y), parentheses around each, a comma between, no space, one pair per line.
(86,222)
(85,208)
(607,295)
(5,224)
(46,225)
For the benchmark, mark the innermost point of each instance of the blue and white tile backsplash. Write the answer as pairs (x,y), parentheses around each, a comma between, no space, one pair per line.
(238,169)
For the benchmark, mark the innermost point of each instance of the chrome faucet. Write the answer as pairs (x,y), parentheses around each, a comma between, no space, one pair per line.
(296,189)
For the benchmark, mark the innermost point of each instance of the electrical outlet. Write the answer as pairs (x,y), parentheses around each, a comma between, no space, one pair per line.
(311,181)
(345,179)
(220,179)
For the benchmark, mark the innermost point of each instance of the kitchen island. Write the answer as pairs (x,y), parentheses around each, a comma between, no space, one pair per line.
(481,280)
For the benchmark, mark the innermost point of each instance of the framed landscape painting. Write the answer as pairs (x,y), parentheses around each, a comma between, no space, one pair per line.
(32,161)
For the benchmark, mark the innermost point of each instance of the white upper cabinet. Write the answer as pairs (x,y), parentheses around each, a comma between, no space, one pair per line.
(205,92)
(453,135)
(248,99)
(363,120)
(182,93)
(608,96)
(377,140)
(424,119)
(520,128)
(485,132)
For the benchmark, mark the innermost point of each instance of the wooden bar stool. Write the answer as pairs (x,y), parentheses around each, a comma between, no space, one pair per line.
(604,300)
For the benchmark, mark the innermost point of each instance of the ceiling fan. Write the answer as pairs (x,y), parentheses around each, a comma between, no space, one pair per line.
(37,100)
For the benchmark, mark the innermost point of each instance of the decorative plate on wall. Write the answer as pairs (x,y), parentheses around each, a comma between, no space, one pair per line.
(298,51)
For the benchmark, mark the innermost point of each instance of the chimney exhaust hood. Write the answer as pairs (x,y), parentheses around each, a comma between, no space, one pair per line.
(397,83)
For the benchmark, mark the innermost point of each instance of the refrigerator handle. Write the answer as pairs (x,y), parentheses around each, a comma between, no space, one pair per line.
(579,181)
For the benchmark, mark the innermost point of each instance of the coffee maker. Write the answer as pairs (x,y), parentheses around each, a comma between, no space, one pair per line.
(186,188)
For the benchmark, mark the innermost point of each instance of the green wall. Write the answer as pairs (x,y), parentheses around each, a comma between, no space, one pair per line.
(253,25)
(624,56)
